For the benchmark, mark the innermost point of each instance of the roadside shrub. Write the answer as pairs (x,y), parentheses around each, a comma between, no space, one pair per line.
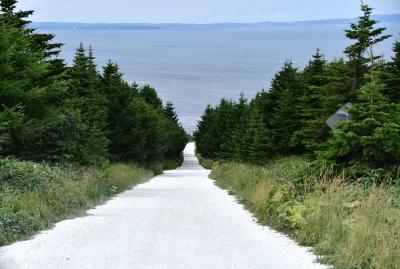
(349,224)
(35,196)
(15,174)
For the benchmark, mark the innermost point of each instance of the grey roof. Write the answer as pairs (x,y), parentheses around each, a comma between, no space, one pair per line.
(341,115)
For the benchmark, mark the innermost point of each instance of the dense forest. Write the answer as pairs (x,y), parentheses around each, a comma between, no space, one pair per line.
(75,114)
(290,117)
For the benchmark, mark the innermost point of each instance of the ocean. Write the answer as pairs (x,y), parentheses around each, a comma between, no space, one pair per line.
(196,67)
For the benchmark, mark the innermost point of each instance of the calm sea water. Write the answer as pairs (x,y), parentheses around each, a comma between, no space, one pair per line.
(193,68)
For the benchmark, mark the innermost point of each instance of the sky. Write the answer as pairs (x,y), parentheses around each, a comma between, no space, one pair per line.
(199,11)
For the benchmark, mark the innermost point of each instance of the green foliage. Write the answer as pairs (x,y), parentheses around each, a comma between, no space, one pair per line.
(290,117)
(51,112)
(365,35)
(286,89)
(137,121)
(142,132)
(170,112)
(371,139)
(347,225)
(150,95)
(35,196)
(390,75)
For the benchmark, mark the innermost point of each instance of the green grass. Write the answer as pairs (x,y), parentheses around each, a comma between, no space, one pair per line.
(347,224)
(35,196)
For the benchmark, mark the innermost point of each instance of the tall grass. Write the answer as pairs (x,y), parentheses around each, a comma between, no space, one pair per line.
(35,196)
(348,225)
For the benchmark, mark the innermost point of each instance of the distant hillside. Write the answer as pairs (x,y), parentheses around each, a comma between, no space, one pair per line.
(386,19)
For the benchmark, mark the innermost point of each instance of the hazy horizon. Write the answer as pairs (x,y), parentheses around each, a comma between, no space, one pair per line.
(199,12)
(207,23)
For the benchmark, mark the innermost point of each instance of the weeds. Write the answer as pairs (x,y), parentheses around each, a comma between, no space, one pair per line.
(35,196)
(349,224)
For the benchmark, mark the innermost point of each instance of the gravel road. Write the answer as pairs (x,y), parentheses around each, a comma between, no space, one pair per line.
(176,220)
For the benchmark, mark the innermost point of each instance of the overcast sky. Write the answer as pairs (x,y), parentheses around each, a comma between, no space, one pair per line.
(199,11)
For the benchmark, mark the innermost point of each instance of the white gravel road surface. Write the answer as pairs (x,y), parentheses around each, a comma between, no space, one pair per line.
(176,220)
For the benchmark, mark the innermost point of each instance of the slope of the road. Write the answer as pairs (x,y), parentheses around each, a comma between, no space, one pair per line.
(176,220)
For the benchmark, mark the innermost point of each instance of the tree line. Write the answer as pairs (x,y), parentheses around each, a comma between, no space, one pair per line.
(53,112)
(290,117)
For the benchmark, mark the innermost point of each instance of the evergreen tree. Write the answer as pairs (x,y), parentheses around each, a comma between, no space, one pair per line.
(372,138)
(290,117)
(177,137)
(286,116)
(50,112)
(312,103)
(119,96)
(256,135)
(170,112)
(79,72)
(314,73)
(390,75)
(206,132)
(94,75)
(88,99)
(150,95)
(16,19)
(141,137)
(28,88)
(234,146)
(365,36)
(19,19)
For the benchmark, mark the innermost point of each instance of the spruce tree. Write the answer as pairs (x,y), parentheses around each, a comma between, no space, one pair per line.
(314,73)
(141,138)
(285,119)
(234,146)
(390,75)
(258,147)
(365,36)
(87,97)
(312,103)
(28,88)
(170,112)
(80,72)
(371,139)
(50,112)
(206,134)
(150,95)
(41,42)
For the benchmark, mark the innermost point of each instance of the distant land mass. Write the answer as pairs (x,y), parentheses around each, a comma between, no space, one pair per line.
(385,19)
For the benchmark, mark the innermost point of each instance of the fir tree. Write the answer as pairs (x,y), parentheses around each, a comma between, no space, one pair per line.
(390,75)
(312,103)
(234,146)
(372,138)
(258,147)
(314,73)
(150,95)
(19,19)
(206,132)
(365,36)
(50,112)
(170,112)
(285,119)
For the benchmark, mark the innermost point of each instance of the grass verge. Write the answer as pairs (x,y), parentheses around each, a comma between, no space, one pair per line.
(348,224)
(35,196)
